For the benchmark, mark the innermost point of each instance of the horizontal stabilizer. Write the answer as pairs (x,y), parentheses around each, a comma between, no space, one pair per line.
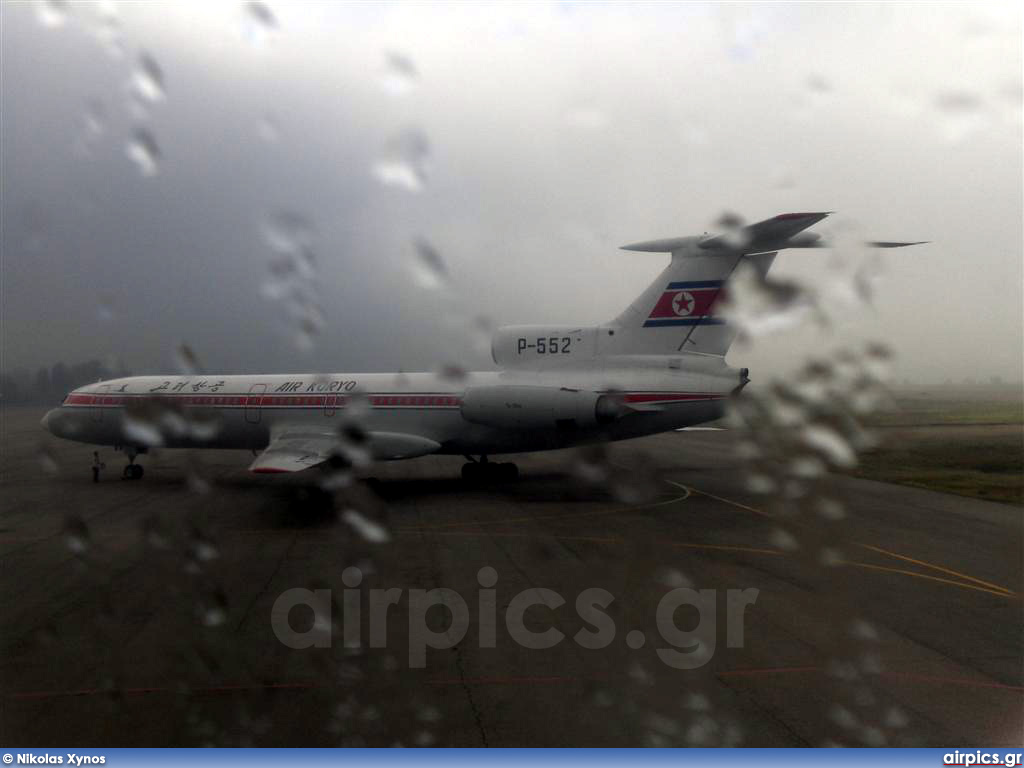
(775,234)
(819,243)
(768,235)
(889,244)
(665,245)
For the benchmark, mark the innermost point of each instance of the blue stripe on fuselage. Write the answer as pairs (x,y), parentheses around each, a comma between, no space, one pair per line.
(695,284)
(684,321)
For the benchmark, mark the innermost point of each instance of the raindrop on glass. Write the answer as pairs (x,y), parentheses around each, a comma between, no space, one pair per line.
(428,714)
(759,305)
(47,461)
(423,739)
(672,578)
(829,444)
(957,102)
(961,113)
(830,557)
(185,360)
(370,530)
(94,123)
(52,13)
(784,540)
(142,428)
(452,372)
(733,233)
(108,28)
(896,718)
(268,129)
(872,736)
(806,467)
(842,717)
(288,232)
(195,480)
(148,79)
(76,535)
(400,75)
(154,534)
(202,549)
(760,483)
(818,84)
(429,269)
(144,152)
(258,24)
(830,509)
(337,479)
(877,360)
(862,630)
(696,702)
(404,163)
(214,609)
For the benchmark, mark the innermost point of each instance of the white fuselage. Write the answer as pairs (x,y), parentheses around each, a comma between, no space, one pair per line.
(247,411)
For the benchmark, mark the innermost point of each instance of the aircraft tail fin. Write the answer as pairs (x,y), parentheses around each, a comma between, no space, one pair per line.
(677,312)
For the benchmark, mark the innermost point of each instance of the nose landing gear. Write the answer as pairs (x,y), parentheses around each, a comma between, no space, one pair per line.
(483,471)
(132,471)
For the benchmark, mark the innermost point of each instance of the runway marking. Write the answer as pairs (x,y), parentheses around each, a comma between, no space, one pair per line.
(936,567)
(985,586)
(727,547)
(915,574)
(564,516)
(512,534)
(681,487)
(728,501)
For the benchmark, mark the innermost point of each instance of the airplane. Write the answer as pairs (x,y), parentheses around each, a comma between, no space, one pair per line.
(657,366)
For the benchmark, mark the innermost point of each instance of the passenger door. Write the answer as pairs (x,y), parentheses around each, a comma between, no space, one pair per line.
(253,403)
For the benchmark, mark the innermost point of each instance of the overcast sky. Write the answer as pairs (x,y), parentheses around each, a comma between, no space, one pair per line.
(536,139)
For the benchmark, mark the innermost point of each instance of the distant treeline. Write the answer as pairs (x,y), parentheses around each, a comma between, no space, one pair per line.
(49,385)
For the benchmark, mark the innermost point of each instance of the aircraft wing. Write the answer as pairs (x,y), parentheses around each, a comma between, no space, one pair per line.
(294,449)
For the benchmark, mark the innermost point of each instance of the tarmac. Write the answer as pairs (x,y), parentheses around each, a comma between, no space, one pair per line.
(142,613)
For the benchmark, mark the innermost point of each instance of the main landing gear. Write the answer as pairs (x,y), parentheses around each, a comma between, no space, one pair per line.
(483,471)
(133,471)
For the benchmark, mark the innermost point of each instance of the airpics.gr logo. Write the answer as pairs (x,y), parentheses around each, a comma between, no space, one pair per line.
(690,303)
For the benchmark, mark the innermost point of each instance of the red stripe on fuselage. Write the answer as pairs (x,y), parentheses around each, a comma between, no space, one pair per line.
(445,401)
(270,401)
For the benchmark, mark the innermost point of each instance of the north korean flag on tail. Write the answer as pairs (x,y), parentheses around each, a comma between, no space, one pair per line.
(688,303)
